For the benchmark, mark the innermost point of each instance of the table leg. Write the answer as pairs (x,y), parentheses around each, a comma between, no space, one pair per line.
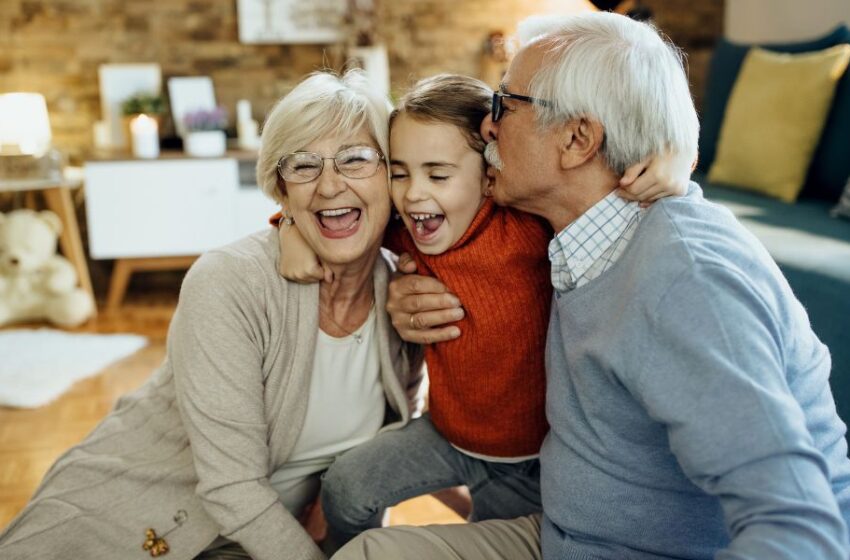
(59,200)
(118,283)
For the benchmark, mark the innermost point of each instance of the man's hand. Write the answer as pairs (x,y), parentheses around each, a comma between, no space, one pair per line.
(421,306)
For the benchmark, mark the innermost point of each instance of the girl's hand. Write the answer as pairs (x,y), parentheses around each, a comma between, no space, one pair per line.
(313,521)
(298,262)
(655,178)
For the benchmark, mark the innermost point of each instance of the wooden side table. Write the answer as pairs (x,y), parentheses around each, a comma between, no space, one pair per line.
(57,196)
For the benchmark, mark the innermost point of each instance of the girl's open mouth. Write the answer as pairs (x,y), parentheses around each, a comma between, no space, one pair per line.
(425,226)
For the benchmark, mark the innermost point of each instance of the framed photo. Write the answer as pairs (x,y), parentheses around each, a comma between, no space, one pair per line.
(188,94)
(291,21)
(117,83)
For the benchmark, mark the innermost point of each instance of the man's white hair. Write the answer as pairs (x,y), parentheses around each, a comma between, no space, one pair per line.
(620,72)
(323,104)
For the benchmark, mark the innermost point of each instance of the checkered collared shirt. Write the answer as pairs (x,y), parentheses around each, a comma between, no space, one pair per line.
(586,248)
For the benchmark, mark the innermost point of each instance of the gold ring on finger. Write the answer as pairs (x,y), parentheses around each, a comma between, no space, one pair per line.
(412,324)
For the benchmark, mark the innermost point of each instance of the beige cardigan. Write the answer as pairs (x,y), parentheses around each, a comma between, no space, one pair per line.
(212,423)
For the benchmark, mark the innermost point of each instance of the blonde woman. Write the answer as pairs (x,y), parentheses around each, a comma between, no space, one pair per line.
(265,381)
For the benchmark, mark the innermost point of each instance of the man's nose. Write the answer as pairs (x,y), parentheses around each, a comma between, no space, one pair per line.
(489,129)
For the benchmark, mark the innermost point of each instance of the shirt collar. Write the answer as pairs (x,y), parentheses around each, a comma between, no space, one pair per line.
(579,245)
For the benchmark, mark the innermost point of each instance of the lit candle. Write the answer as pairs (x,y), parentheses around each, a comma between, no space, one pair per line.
(145,136)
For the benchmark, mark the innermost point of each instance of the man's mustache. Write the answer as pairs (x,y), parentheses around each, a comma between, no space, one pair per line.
(491,155)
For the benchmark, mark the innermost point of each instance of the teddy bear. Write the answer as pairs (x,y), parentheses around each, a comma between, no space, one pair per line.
(35,282)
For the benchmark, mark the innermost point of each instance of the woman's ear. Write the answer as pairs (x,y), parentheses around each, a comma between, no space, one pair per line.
(579,141)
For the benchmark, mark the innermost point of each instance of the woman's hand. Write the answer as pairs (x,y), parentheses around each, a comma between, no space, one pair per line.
(314,522)
(298,262)
(655,178)
(421,306)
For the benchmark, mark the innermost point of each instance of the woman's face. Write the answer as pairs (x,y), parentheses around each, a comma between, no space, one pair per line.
(342,219)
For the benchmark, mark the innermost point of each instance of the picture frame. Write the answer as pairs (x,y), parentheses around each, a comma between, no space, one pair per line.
(117,83)
(187,94)
(291,21)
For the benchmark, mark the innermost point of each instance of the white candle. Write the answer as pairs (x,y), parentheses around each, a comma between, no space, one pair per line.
(145,135)
(243,111)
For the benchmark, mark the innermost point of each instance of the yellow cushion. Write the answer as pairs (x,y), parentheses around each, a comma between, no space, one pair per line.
(774,120)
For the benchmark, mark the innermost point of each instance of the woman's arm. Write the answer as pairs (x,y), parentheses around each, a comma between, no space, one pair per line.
(215,350)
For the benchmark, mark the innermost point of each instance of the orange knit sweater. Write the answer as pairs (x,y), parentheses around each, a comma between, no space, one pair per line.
(488,389)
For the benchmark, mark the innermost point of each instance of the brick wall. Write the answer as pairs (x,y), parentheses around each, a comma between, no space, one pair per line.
(55,47)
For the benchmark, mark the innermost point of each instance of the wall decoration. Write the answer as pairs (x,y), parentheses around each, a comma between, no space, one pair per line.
(291,21)
(119,82)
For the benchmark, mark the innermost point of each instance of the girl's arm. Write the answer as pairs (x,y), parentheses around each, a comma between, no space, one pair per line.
(660,176)
(297,260)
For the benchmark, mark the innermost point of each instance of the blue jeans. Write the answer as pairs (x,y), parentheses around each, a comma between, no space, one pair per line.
(416,460)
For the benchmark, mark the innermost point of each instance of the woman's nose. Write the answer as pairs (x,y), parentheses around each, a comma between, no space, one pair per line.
(489,129)
(331,182)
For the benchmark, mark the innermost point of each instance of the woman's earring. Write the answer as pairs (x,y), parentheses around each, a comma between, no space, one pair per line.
(286,218)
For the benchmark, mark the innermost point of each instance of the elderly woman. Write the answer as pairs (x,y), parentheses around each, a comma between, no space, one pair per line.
(265,381)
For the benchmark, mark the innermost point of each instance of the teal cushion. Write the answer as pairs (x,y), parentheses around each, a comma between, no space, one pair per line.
(830,166)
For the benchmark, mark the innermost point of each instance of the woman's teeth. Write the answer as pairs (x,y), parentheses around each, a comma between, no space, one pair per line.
(339,219)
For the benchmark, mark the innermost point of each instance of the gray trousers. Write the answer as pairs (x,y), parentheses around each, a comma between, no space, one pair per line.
(513,539)
(417,460)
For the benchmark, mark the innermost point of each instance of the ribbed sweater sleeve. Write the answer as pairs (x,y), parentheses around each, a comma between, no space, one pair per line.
(215,344)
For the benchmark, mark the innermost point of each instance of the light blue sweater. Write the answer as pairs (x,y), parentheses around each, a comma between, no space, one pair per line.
(689,403)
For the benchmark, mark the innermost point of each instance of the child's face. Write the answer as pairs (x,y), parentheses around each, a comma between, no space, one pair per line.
(437,181)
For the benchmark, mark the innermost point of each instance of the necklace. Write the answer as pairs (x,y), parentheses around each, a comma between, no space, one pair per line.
(358,337)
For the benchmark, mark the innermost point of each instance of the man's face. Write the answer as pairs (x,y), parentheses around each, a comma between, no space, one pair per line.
(529,155)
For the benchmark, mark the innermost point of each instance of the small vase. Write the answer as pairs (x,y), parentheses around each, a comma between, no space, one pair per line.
(205,143)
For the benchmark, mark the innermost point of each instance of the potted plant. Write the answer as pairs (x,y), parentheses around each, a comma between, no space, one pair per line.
(205,132)
(142,104)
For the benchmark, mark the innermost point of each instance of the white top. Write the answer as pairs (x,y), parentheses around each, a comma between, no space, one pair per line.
(345,408)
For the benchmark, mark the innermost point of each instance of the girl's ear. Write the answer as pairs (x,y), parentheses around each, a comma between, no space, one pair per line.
(486,183)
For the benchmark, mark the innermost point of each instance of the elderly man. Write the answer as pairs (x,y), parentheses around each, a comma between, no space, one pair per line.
(690,410)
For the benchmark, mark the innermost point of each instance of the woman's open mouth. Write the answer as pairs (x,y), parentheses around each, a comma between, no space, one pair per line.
(425,226)
(338,222)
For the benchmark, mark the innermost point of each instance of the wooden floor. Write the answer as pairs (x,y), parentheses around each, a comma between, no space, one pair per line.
(31,440)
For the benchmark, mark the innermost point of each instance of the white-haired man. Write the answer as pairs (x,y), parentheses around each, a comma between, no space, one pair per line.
(688,398)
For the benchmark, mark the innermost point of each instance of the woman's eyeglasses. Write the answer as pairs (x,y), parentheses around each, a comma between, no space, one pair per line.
(498,109)
(358,162)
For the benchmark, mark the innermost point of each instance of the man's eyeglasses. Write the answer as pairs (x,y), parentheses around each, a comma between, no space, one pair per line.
(358,162)
(498,109)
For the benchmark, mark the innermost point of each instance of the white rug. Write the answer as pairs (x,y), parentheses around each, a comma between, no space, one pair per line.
(36,366)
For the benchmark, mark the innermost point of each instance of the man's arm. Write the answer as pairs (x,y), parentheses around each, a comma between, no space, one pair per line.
(421,307)
(714,374)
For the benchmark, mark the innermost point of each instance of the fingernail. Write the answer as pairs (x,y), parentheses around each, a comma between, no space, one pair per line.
(458,314)
(454,333)
(455,301)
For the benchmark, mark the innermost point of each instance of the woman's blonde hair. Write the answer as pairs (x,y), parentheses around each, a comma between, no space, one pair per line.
(451,99)
(322,104)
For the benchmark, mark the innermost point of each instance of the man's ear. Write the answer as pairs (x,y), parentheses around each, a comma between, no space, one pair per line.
(579,141)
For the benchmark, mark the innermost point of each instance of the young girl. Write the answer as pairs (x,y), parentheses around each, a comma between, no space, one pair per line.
(486,419)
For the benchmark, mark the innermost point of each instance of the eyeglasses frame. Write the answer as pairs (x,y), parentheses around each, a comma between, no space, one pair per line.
(497,110)
(381,159)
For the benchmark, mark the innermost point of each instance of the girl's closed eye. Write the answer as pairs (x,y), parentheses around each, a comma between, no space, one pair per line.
(438,178)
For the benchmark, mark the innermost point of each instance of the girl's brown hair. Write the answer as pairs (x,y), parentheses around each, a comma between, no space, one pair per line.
(452,99)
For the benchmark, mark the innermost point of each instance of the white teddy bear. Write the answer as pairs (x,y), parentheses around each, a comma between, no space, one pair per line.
(35,282)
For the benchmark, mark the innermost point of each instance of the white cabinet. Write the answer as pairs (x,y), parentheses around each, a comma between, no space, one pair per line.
(170,207)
